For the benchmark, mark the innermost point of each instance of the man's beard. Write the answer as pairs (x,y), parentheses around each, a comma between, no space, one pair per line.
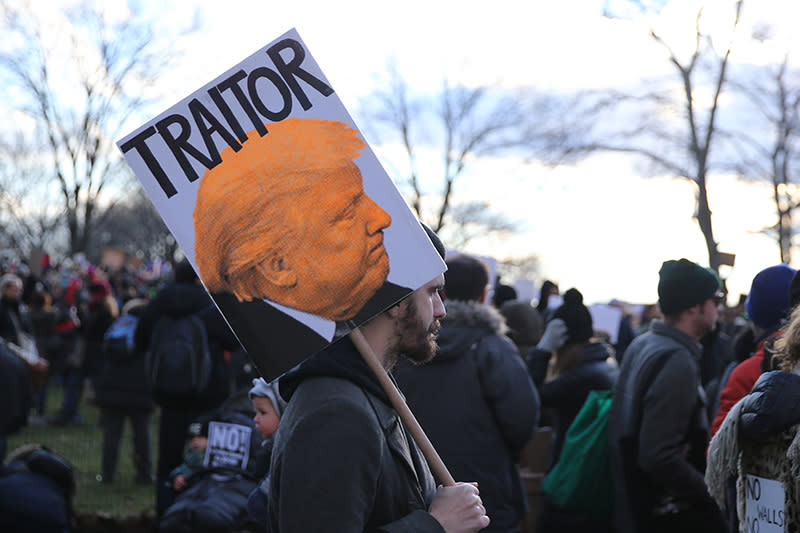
(417,343)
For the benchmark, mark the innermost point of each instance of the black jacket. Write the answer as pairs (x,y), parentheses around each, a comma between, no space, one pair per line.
(13,319)
(181,299)
(123,383)
(566,394)
(342,460)
(771,407)
(478,407)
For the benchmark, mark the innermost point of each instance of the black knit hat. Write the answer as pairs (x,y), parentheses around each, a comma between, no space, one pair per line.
(576,316)
(198,428)
(435,240)
(683,284)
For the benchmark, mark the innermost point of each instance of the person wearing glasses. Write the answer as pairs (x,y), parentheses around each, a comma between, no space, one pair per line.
(658,423)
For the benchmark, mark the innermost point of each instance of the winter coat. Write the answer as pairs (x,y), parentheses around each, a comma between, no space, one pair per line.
(210,505)
(16,394)
(13,319)
(216,497)
(478,407)
(342,460)
(98,320)
(32,502)
(124,384)
(567,393)
(760,437)
(657,428)
(178,300)
(742,379)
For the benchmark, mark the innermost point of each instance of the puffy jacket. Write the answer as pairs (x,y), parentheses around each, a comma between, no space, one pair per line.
(477,405)
(567,393)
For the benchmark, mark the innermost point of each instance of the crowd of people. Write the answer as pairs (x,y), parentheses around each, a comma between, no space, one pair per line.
(703,402)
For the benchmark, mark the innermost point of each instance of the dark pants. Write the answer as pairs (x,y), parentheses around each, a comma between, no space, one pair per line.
(172,431)
(113,422)
(73,390)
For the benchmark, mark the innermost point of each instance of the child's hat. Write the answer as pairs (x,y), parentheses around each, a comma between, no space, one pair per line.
(268,390)
(198,428)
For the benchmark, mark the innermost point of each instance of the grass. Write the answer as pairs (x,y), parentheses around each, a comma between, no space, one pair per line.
(82,445)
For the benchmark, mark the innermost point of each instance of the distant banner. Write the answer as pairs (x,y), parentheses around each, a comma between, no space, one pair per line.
(295,229)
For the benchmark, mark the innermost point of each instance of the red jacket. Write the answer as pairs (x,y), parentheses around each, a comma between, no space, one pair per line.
(741,380)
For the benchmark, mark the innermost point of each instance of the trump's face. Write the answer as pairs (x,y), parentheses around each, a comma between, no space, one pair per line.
(286,219)
(337,259)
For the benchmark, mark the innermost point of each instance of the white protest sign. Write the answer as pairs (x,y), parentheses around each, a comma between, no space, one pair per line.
(295,229)
(228,446)
(764,506)
(606,318)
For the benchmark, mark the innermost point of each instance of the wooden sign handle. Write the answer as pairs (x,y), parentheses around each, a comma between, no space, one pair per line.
(428,451)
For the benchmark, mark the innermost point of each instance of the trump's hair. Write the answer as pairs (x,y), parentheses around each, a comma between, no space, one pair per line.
(239,217)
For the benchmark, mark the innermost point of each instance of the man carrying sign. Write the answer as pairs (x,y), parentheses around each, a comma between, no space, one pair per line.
(301,237)
(342,460)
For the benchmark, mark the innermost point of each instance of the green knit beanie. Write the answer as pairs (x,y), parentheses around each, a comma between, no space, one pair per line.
(683,284)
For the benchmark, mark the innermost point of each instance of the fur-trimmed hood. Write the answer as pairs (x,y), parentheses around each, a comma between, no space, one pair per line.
(465,324)
(474,315)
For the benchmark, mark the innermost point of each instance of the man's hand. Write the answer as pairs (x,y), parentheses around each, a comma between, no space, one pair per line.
(459,508)
(554,337)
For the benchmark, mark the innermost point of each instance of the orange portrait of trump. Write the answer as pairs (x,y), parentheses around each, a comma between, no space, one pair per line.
(285,230)
(269,227)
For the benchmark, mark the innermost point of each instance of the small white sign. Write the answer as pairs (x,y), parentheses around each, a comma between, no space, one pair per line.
(606,318)
(764,507)
(228,446)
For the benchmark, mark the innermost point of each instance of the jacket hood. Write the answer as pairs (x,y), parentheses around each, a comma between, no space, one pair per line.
(339,360)
(594,352)
(772,406)
(465,324)
(180,299)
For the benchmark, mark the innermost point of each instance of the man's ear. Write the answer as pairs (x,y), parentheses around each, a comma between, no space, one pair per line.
(395,310)
(277,272)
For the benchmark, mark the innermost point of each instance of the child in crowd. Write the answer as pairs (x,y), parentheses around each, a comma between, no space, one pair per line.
(193,461)
(269,407)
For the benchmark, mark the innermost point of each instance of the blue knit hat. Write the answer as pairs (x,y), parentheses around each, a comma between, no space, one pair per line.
(768,302)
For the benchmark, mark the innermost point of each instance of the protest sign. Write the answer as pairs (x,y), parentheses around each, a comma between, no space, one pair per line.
(295,229)
(228,446)
(606,318)
(764,506)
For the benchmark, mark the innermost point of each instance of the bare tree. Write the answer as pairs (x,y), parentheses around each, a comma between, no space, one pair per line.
(774,92)
(27,219)
(673,127)
(461,124)
(135,226)
(78,96)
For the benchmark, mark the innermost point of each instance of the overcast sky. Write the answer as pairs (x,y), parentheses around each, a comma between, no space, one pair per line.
(595,226)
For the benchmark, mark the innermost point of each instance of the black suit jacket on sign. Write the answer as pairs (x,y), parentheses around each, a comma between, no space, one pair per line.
(276,342)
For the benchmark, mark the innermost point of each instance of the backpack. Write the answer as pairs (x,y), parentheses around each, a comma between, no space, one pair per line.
(118,342)
(37,487)
(581,479)
(178,360)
